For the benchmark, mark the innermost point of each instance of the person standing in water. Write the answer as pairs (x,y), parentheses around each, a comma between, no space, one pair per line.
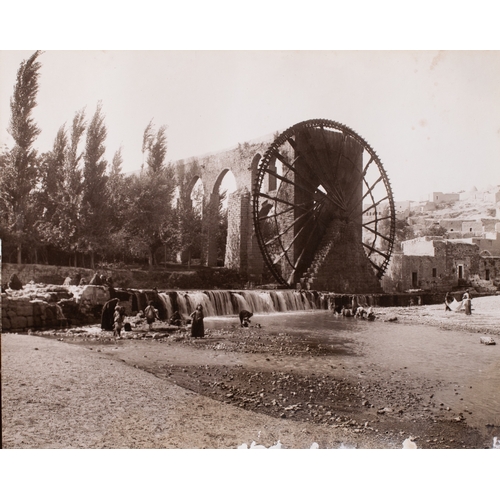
(118,317)
(245,317)
(151,314)
(467,302)
(197,327)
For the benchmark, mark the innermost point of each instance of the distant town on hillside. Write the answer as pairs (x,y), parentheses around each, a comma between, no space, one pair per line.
(446,241)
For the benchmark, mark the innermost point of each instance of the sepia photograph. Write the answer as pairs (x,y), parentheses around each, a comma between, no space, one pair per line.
(250,249)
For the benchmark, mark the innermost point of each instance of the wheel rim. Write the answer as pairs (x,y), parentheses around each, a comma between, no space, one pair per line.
(316,175)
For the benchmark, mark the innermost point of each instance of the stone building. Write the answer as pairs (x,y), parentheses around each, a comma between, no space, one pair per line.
(437,264)
(437,197)
(431,263)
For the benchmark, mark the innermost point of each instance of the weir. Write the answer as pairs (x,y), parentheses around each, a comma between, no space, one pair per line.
(231,302)
(56,306)
(228,302)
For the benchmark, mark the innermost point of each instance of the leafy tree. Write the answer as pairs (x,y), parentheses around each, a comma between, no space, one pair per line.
(148,201)
(148,212)
(433,230)
(117,187)
(95,207)
(116,184)
(49,196)
(59,199)
(155,147)
(19,166)
(73,187)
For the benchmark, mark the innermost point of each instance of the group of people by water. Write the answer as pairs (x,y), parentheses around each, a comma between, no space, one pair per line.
(451,304)
(358,312)
(197,327)
(113,318)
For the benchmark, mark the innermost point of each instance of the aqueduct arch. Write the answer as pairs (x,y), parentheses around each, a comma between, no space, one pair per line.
(242,251)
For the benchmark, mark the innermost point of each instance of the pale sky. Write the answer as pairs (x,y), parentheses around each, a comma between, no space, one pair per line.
(433,117)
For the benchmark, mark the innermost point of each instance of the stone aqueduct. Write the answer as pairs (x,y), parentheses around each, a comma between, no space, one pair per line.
(242,251)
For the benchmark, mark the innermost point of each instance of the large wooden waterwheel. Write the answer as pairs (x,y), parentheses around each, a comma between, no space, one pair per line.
(323,209)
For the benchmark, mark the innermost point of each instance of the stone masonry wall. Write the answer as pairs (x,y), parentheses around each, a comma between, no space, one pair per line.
(49,307)
(345,267)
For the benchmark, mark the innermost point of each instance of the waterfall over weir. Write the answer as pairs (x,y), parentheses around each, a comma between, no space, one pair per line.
(228,302)
(231,302)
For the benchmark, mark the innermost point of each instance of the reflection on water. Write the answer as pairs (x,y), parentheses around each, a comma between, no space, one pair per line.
(468,372)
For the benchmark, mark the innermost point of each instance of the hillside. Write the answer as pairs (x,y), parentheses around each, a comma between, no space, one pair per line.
(477,205)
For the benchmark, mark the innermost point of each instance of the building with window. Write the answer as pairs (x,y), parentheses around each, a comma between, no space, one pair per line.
(436,264)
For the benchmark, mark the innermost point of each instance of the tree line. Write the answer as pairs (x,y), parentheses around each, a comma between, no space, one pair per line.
(70,206)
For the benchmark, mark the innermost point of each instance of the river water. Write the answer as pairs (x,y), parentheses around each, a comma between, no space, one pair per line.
(465,372)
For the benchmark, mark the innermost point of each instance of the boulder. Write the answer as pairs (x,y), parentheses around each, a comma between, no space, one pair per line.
(487,341)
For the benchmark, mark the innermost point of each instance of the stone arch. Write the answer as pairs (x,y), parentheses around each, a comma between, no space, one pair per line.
(212,169)
(226,179)
(253,169)
(187,200)
(220,178)
(192,182)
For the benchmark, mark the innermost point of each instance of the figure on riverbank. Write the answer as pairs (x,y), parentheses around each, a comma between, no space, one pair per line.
(337,310)
(151,314)
(447,301)
(197,328)
(467,301)
(176,319)
(360,312)
(370,315)
(119,318)
(96,280)
(15,283)
(245,317)
(347,312)
(107,315)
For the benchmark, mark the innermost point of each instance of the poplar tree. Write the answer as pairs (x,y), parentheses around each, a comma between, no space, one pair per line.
(188,218)
(73,187)
(50,195)
(94,211)
(148,218)
(18,168)
(117,187)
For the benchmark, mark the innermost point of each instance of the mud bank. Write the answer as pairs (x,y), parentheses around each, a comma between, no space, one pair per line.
(56,395)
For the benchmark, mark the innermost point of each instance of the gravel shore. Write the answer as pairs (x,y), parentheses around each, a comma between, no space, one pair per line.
(56,395)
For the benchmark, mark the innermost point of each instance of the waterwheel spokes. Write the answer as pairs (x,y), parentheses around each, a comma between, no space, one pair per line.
(291,226)
(323,172)
(305,183)
(304,224)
